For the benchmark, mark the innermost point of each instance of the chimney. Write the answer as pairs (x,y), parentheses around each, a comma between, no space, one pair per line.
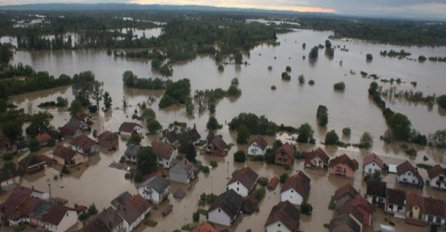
(49,190)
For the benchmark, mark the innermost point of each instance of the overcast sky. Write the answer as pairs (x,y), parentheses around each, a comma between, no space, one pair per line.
(400,8)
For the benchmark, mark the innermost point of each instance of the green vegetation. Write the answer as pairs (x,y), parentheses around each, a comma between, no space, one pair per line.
(322,115)
(146,163)
(242,135)
(392,53)
(90,212)
(346,131)
(438,139)
(305,134)
(283,177)
(150,222)
(366,140)
(340,86)
(331,138)
(132,81)
(286,76)
(260,193)
(314,53)
(288,69)
(301,79)
(441,101)
(255,124)
(213,124)
(239,156)
(369,57)
(176,93)
(306,208)
(206,199)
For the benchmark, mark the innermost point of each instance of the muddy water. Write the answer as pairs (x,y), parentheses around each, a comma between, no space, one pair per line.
(290,104)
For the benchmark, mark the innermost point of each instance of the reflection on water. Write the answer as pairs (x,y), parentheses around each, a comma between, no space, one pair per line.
(291,104)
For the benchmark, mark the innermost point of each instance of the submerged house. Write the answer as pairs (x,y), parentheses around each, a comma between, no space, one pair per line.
(316,159)
(395,203)
(343,166)
(217,146)
(155,189)
(165,152)
(283,217)
(225,209)
(128,128)
(437,177)
(257,147)
(109,140)
(243,181)
(408,174)
(84,145)
(373,164)
(296,189)
(285,155)
(68,157)
(183,171)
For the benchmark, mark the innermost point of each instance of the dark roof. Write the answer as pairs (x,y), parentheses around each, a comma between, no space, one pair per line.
(316,153)
(346,190)
(261,142)
(435,207)
(121,198)
(246,176)
(63,152)
(206,227)
(179,194)
(407,166)
(19,195)
(31,160)
(219,143)
(395,196)
(376,188)
(55,214)
(172,136)
(96,225)
(162,150)
(133,208)
(352,206)
(193,134)
(436,171)
(344,159)
(8,173)
(128,127)
(373,158)
(132,150)
(344,223)
(272,184)
(107,137)
(299,182)
(157,183)
(83,142)
(286,213)
(68,130)
(230,202)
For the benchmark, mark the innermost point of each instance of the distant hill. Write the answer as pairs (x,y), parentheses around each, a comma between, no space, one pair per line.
(131,7)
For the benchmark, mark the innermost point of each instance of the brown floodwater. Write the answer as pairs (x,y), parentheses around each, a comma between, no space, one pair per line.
(291,104)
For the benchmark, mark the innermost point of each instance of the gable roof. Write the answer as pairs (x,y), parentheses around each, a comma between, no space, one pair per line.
(205,227)
(83,142)
(55,214)
(42,138)
(286,213)
(260,141)
(344,223)
(19,195)
(162,150)
(346,190)
(435,207)
(316,153)
(193,134)
(395,196)
(344,159)
(299,182)
(246,176)
(121,198)
(407,166)
(158,183)
(373,158)
(139,203)
(413,199)
(351,207)
(436,171)
(128,127)
(64,153)
(376,188)
(230,202)
(107,137)
(286,149)
(219,143)
(68,130)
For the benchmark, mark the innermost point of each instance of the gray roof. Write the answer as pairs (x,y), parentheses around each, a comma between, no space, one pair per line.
(123,197)
(132,150)
(41,209)
(157,183)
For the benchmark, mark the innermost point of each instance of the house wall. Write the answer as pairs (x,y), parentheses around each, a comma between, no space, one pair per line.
(166,163)
(437,183)
(432,219)
(276,227)
(153,195)
(239,188)
(317,163)
(372,168)
(292,196)
(138,221)
(68,221)
(408,177)
(10,181)
(393,209)
(416,213)
(255,150)
(341,169)
(79,159)
(218,216)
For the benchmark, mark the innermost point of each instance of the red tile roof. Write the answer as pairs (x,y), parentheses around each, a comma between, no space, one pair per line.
(344,159)
(139,203)
(162,150)
(261,142)
(206,227)
(108,138)
(55,214)
(413,199)
(246,176)
(373,158)
(128,127)
(273,183)
(316,153)
(395,196)
(346,190)
(435,207)
(407,166)
(436,171)
(286,213)
(299,182)
(42,138)
(64,153)
(83,142)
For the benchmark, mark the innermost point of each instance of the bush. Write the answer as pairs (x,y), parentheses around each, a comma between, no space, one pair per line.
(213,124)
(346,131)
(283,177)
(306,208)
(288,69)
(340,86)
(273,87)
(311,82)
(260,193)
(263,181)
(441,101)
(369,57)
(301,79)
(239,157)
(322,115)
(242,135)
(286,76)
(204,169)
(150,222)
(213,163)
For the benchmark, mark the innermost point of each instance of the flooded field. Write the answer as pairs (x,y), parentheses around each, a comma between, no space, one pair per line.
(291,104)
